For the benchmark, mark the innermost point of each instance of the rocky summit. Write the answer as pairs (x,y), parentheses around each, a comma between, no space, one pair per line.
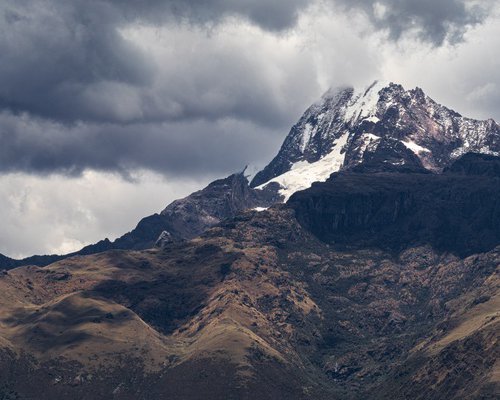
(361,263)
(348,127)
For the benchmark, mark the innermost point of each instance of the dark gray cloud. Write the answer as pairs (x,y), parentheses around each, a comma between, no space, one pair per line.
(435,21)
(69,61)
(65,60)
(188,149)
(274,15)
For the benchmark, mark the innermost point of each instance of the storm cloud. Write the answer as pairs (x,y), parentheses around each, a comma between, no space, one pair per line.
(72,61)
(434,21)
(44,147)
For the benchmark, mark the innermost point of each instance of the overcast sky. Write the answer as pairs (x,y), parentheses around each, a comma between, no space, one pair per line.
(111,109)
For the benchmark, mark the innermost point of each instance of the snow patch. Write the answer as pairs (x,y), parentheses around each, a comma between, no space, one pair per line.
(415,147)
(371,136)
(306,137)
(363,105)
(373,119)
(303,174)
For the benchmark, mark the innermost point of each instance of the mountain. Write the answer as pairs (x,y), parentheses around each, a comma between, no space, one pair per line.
(305,300)
(348,127)
(361,263)
(188,217)
(381,127)
(182,219)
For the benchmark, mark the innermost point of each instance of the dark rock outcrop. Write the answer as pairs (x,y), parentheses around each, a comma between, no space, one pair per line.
(476,164)
(457,211)
(223,198)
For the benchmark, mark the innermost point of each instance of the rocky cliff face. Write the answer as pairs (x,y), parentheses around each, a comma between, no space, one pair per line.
(192,215)
(224,198)
(476,164)
(346,127)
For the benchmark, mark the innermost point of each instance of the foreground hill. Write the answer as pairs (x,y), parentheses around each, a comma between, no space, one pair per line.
(274,305)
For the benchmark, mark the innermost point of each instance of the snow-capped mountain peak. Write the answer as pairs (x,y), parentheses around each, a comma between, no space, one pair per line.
(383,121)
